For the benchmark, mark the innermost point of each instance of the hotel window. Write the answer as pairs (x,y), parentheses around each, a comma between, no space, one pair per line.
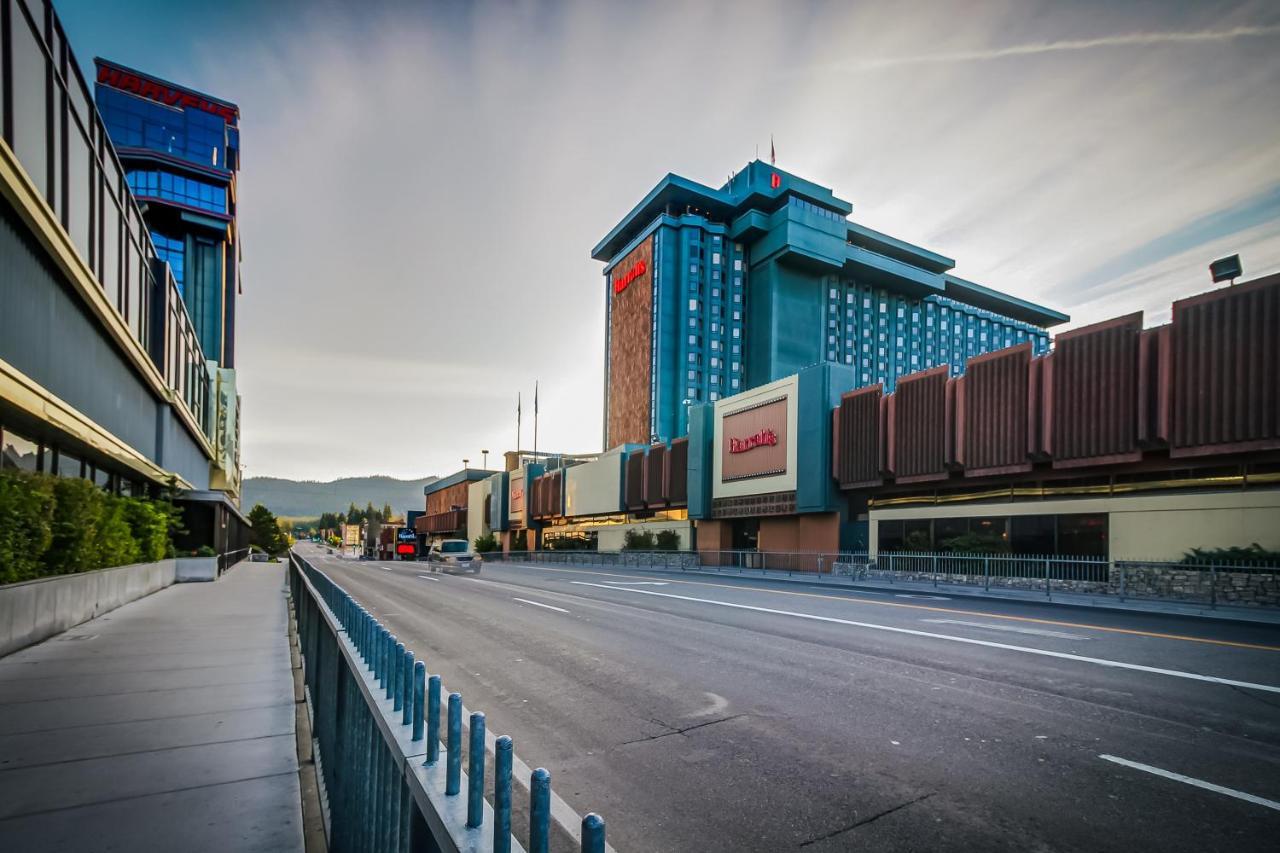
(693,374)
(693,305)
(715,293)
(735,383)
(715,327)
(693,340)
(691,393)
(737,365)
(737,315)
(715,275)
(848,359)
(692,358)
(737,264)
(737,281)
(831,339)
(715,345)
(737,297)
(693,268)
(693,322)
(736,349)
(715,380)
(715,257)
(737,333)
(849,298)
(834,295)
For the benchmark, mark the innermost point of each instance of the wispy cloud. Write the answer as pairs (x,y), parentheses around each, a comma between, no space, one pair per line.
(1043,47)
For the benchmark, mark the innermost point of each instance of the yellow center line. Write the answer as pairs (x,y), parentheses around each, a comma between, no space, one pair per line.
(930,608)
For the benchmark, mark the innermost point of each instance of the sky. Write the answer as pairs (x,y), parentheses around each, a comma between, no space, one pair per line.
(422,183)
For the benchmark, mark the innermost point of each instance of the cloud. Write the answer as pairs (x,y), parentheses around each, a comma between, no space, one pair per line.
(1043,47)
(422,185)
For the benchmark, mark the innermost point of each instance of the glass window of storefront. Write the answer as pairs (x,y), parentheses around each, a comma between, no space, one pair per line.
(1074,534)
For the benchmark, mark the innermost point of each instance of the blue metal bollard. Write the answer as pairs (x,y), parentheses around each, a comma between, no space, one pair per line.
(593,834)
(433,719)
(502,795)
(540,811)
(396,686)
(453,758)
(406,678)
(419,697)
(388,667)
(475,772)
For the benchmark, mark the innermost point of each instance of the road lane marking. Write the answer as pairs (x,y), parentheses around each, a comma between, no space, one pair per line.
(540,604)
(386,569)
(637,583)
(1192,676)
(935,609)
(1039,632)
(927,597)
(429,578)
(1189,780)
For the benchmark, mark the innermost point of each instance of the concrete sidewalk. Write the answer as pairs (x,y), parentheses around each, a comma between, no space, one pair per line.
(167,724)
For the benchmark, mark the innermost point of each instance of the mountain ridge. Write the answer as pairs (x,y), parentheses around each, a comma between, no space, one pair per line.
(310,498)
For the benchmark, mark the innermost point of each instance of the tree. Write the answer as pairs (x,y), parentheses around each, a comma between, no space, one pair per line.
(386,512)
(264,531)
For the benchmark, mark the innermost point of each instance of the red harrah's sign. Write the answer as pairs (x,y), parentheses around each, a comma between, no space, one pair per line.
(765,437)
(162,93)
(620,282)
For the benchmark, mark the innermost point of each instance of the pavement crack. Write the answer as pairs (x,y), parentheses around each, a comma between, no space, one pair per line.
(683,730)
(867,820)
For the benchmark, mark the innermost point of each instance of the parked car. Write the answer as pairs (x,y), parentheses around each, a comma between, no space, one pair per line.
(453,555)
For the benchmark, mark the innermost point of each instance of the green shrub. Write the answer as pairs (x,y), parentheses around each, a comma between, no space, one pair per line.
(668,540)
(114,544)
(77,512)
(485,544)
(26,519)
(635,540)
(149,526)
(1255,553)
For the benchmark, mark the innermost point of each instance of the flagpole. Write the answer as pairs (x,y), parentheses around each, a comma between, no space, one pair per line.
(517,425)
(535,420)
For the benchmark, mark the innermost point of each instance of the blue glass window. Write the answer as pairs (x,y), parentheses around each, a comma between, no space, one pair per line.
(179,189)
(135,122)
(172,250)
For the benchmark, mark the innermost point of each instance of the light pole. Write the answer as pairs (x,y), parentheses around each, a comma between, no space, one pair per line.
(464,464)
(485,463)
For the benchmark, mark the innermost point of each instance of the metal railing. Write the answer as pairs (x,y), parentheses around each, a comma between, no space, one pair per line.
(387,781)
(1219,583)
(230,558)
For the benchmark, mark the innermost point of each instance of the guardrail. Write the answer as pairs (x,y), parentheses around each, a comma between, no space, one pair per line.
(1212,584)
(388,782)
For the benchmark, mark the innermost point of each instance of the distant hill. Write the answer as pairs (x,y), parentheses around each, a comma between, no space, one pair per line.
(308,498)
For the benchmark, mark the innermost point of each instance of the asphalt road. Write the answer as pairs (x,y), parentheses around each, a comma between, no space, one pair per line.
(709,714)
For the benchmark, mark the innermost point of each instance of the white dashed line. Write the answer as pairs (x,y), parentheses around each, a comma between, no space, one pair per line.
(1115,664)
(1199,783)
(429,578)
(539,604)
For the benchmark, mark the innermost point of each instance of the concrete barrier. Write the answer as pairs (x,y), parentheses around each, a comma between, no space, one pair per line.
(35,610)
(196,569)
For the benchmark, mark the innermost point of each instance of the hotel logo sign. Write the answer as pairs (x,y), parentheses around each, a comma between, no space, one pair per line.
(162,93)
(620,282)
(754,441)
(764,438)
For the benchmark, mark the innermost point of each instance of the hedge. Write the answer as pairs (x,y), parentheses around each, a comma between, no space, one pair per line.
(51,526)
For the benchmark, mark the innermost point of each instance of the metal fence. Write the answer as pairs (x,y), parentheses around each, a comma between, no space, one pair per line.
(1212,584)
(388,783)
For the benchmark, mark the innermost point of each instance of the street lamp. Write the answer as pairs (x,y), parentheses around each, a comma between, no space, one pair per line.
(464,463)
(485,463)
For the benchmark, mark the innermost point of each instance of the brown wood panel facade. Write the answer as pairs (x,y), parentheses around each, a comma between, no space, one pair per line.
(630,349)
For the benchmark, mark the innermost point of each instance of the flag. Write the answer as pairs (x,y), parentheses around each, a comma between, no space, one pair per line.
(773,154)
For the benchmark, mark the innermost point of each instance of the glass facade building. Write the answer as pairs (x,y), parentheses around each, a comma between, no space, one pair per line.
(764,276)
(181,151)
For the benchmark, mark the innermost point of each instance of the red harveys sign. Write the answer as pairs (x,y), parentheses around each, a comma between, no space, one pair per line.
(404,548)
(764,438)
(620,282)
(162,93)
